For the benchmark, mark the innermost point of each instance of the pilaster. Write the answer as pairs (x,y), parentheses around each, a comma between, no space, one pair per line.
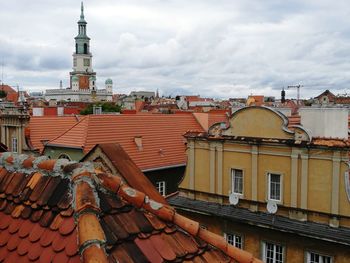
(212,168)
(304,180)
(294,178)
(219,148)
(254,157)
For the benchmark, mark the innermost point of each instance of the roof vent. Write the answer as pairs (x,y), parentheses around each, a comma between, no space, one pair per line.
(138,142)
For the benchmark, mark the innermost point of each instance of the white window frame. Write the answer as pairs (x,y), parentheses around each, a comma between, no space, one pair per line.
(233,170)
(268,196)
(274,258)
(14,145)
(308,257)
(161,187)
(235,240)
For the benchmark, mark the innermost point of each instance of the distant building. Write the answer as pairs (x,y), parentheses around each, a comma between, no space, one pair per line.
(143,94)
(327,98)
(82,79)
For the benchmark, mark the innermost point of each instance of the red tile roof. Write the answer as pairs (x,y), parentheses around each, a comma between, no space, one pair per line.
(59,211)
(12,94)
(161,134)
(47,128)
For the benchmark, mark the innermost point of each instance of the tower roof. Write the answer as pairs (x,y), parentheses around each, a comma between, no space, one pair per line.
(82,18)
(109,81)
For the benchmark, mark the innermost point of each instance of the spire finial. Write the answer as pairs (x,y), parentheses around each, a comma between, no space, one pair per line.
(82,10)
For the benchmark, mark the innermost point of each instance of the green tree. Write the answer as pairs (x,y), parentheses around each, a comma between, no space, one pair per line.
(106,107)
(3,94)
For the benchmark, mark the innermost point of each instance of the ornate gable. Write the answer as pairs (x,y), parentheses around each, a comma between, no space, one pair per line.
(263,122)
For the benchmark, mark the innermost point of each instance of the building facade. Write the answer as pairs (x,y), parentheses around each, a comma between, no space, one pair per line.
(82,78)
(270,188)
(13,121)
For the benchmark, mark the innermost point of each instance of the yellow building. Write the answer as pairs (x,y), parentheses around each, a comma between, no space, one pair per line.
(13,121)
(271,189)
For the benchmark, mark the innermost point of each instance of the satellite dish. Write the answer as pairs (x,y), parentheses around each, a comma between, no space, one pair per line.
(271,207)
(233,198)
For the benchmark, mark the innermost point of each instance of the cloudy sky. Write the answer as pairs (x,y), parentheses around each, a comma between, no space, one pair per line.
(219,48)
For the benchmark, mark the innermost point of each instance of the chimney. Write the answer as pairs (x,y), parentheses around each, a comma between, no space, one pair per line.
(325,122)
(138,142)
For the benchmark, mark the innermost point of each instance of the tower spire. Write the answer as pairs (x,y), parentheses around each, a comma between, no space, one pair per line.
(82,11)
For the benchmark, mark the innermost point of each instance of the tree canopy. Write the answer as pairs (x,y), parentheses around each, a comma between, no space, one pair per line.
(106,107)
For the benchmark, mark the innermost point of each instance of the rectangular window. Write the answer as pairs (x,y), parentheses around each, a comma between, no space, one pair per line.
(75,62)
(161,187)
(273,253)
(86,62)
(312,257)
(14,145)
(234,240)
(274,192)
(237,181)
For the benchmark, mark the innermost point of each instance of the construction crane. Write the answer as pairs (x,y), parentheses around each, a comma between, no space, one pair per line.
(298,91)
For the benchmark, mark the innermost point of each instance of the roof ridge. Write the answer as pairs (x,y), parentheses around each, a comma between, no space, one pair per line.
(167,213)
(86,130)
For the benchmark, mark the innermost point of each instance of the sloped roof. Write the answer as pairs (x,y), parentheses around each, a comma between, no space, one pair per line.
(60,211)
(46,128)
(8,89)
(162,141)
(112,154)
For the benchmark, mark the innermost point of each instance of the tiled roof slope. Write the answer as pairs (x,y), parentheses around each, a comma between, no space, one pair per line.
(60,211)
(48,128)
(124,167)
(162,141)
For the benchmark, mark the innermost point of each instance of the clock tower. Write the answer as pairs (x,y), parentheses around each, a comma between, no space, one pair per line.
(82,59)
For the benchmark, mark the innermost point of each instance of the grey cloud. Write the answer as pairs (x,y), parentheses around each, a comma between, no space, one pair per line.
(221,49)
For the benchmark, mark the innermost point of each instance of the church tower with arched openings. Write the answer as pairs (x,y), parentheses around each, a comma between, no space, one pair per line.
(82,59)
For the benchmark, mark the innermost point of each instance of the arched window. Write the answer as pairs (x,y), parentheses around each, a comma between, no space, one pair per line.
(85,49)
(76,48)
(64,156)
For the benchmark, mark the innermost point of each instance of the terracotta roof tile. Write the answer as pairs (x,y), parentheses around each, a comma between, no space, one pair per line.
(35,251)
(47,255)
(119,224)
(162,140)
(46,128)
(36,233)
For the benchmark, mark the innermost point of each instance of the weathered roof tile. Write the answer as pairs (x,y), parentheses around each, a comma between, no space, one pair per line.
(62,219)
